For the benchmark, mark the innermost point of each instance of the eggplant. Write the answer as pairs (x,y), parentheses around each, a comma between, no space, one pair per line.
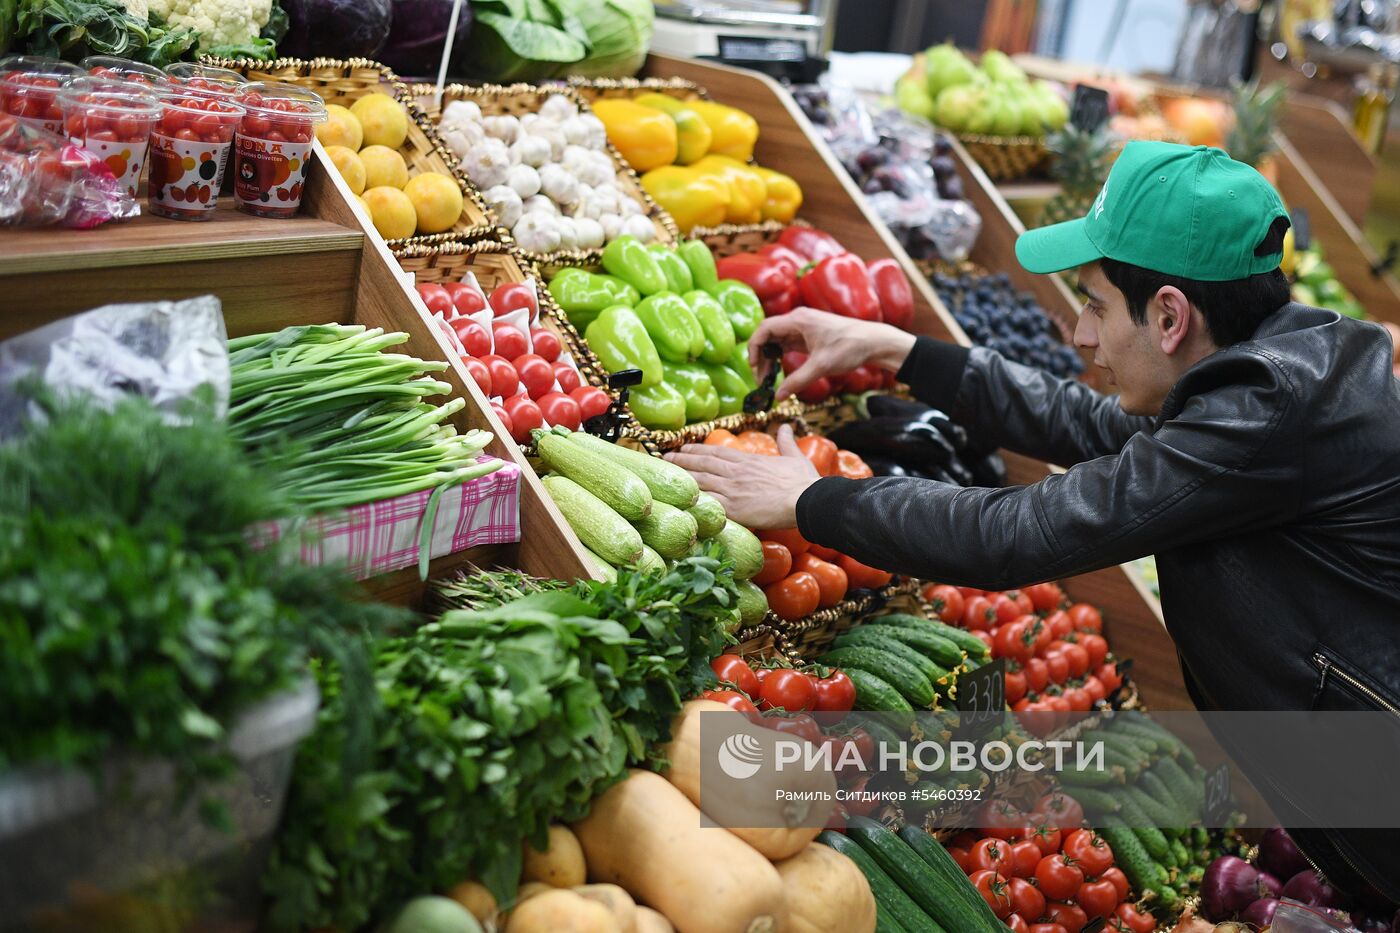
(890,406)
(910,442)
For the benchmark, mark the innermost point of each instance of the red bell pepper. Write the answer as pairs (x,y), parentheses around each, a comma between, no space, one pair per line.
(783,253)
(894,291)
(812,244)
(843,286)
(774,280)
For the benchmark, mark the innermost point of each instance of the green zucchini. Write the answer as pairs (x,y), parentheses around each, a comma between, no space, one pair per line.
(862,637)
(964,639)
(619,490)
(940,650)
(740,546)
(667,530)
(932,890)
(650,561)
(667,482)
(875,694)
(601,530)
(602,566)
(899,673)
(708,514)
(753,605)
(937,858)
(888,896)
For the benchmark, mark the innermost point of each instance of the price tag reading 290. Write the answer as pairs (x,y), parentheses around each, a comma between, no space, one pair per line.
(1218,797)
(981,697)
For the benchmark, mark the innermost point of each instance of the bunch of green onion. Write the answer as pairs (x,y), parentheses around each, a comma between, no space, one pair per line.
(345,420)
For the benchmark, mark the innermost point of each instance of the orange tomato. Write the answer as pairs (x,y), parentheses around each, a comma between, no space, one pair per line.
(830,555)
(720,437)
(831,579)
(789,538)
(820,451)
(777,563)
(863,577)
(757,442)
(851,466)
(794,596)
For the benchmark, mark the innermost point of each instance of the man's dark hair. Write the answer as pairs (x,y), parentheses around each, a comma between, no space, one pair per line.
(1233,310)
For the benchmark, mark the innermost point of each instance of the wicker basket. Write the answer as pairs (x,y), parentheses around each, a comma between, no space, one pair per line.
(592,89)
(806,638)
(344,82)
(731,239)
(520,99)
(1005,158)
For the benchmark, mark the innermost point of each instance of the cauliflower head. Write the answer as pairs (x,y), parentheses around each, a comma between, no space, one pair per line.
(218,22)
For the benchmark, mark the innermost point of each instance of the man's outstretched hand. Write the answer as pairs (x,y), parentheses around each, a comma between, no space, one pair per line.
(833,344)
(757,491)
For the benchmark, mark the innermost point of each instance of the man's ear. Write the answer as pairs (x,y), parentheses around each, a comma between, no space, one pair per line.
(1173,314)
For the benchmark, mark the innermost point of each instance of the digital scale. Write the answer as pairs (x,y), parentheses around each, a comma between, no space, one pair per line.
(785,38)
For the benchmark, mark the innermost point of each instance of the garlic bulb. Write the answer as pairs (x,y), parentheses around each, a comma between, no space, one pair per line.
(531,150)
(487,163)
(537,233)
(558,108)
(505,203)
(506,129)
(525,180)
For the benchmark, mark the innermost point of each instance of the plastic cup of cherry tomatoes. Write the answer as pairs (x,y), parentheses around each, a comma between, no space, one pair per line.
(29,89)
(122,69)
(113,120)
(189,150)
(272,148)
(205,79)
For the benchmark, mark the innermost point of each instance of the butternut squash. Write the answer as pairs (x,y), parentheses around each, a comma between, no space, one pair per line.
(560,865)
(618,902)
(646,836)
(561,911)
(826,893)
(651,921)
(752,809)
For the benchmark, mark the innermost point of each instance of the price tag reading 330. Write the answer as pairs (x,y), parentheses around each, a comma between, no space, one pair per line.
(981,698)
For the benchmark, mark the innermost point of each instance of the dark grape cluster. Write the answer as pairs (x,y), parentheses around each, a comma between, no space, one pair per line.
(996,316)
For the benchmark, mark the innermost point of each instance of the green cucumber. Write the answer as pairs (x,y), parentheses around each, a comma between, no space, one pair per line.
(1153,841)
(888,896)
(740,546)
(1191,794)
(1096,800)
(601,530)
(667,482)
(899,673)
(1153,785)
(667,530)
(1115,758)
(1098,777)
(1128,853)
(753,605)
(964,639)
(862,637)
(938,649)
(878,728)
(708,514)
(885,921)
(932,890)
(1157,815)
(619,490)
(875,694)
(937,858)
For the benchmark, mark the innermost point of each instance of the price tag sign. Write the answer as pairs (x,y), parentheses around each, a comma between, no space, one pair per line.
(1088,110)
(981,698)
(760,49)
(1218,800)
(1302,228)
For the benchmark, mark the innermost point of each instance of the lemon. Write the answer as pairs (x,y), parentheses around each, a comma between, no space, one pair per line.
(1289,262)
(384,120)
(437,200)
(392,212)
(349,166)
(383,167)
(342,128)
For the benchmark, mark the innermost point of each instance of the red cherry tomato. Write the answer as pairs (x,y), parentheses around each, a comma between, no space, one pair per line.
(504,379)
(777,564)
(1058,667)
(1086,618)
(1046,837)
(991,853)
(961,858)
(560,410)
(836,694)
(525,415)
(545,342)
(1044,596)
(509,342)
(1037,675)
(466,299)
(946,601)
(1078,659)
(1026,898)
(592,401)
(1098,898)
(802,726)
(1002,820)
(1119,880)
(732,669)
(1091,851)
(506,423)
(567,377)
(1025,855)
(1006,609)
(790,690)
(1110,678)
(978,614)
(1070,916)
(536,375)
(1017,924)
(1078,700)
(512,297)
(1059,624)
(994,891)
(480,373)
(1046,928)
(735,701)
(1095,689)
(1015,686)
(475,340)
(1127,917)
(1096,646)
(1015,640)
(1058,877)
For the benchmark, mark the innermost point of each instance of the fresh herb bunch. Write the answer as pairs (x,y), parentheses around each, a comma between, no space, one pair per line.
(135,615)
(493,723)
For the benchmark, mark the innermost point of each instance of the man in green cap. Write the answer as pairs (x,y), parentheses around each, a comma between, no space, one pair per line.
(1254,447)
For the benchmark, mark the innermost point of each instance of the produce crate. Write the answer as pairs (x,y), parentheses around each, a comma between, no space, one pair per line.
(344,82)
(1005,158)
(519,99)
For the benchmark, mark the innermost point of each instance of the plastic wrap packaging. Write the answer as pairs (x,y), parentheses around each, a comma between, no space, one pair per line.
(166,351)
(46,181)
(1292,917)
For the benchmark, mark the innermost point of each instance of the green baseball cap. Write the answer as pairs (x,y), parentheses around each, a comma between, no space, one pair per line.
(1191,212)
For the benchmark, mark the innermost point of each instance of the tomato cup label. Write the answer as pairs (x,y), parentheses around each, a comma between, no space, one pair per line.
(269,176)
(125,159)
(185,177)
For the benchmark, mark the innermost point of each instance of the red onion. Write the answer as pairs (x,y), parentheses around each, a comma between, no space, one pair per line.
(1279,854)
(1310,888)
(1269,886)
(1231,884)
(1261,913)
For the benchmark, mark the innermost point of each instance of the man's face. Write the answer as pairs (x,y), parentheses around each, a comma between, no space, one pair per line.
(1130,354)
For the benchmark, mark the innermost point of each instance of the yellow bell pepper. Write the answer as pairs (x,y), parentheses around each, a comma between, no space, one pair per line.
(693,198)
(784,195)
(734,132)
(693,134)
(645,136)
(747,190)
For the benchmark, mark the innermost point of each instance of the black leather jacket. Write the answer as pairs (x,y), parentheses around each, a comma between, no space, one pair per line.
(1268,488)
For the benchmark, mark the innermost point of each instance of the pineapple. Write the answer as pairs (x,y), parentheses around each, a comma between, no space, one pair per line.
(1081,165)
(1251,139)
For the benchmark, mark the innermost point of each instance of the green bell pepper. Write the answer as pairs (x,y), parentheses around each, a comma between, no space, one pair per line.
(621,342)
(630,260)
(741,304)
(701,263)
(678,278)
(701,399)
(739,363)
(730,386)
(672,326)
(584,296)
(719,333)
(658,407)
